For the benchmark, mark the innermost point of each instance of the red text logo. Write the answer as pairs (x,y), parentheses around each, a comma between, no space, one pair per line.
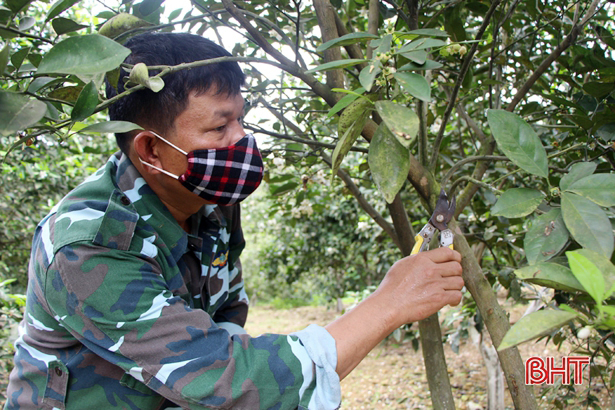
(540,370)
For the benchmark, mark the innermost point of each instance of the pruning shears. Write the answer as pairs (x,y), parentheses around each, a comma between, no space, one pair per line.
(439,220)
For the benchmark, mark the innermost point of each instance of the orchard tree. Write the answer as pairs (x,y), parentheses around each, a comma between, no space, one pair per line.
(508,105)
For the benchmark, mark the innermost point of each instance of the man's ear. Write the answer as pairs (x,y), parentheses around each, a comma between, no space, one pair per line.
(146,147)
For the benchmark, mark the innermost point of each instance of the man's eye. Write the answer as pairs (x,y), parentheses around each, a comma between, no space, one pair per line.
(220,128)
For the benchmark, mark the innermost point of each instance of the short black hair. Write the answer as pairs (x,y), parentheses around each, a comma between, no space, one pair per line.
(159,110)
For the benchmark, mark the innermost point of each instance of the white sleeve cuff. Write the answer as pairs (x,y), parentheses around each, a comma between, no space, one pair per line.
(321,349)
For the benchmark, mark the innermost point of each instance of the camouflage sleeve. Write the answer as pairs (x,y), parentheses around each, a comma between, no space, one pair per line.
(118,305)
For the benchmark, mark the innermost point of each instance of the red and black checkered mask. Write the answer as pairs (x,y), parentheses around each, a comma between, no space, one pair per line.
(222,176)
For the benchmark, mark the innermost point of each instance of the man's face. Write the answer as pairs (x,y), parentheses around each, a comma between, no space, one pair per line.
(209,121)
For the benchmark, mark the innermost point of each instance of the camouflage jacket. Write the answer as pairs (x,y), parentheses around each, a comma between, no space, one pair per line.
(116,318)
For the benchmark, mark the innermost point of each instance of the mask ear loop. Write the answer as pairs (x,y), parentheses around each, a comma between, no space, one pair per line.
(160,169)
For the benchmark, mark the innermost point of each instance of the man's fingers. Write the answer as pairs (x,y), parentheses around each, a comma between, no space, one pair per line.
(449,269)
(440,255)
(453,283)
(453,297)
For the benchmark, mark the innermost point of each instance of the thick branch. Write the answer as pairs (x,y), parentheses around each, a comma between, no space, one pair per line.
(326,20)
(372,23)
(496,321)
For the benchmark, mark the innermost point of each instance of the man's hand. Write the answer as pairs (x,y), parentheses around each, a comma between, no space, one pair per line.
(418,286)
(414,288)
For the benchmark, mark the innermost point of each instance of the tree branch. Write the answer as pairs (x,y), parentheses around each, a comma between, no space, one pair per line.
(568,41)
(462,73)
(326,20)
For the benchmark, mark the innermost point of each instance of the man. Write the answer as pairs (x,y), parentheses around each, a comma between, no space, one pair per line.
(135,296)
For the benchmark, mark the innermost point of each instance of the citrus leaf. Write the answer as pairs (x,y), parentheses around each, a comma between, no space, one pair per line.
(588,224)
(421,44)
(369,73)
(345,101)
(90,54)
(86,103)
(429,32)
(63,25)
(550,275)
(546,237)
(18,112)
(389,162)
(429,65)
(334,65)
(68,94)
(4,57)
(604,266)
(588,275)
(576,172)
(111,127)
(598,188)
(17,5)
(517,202)
(535,325)
(346,40)
(346,141)
(415,84)
(400,120)
(417,56)
(518,142)
(58,7)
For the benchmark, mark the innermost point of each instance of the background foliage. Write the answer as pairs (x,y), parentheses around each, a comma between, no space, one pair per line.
(510,105)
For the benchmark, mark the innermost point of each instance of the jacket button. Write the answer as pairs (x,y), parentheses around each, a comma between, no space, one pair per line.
(124,200)
(59,372)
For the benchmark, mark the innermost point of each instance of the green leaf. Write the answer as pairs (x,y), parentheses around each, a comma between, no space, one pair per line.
(369,73)
(346,142)
(535,325)
(389,162)
(147,7)
(550,275)
(86,103)
(345,101)
(588,275)
(547,236)
(517,202)
(418,56)
(18,112)
(18,57)
(588,224)
(4,57)
(68,94)
(400,120)
(607,131)
(518,142)
(415,84)
(58,7)
(338,64)
(429,65)
(17,5)
(421,44)
(89,54)
(598,188)
(63,25)
(577,171)
(108,127)
(282,189)
(604,266)
(346,40)
(429,32)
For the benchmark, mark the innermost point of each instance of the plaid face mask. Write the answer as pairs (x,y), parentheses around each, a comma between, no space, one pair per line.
(222,176)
